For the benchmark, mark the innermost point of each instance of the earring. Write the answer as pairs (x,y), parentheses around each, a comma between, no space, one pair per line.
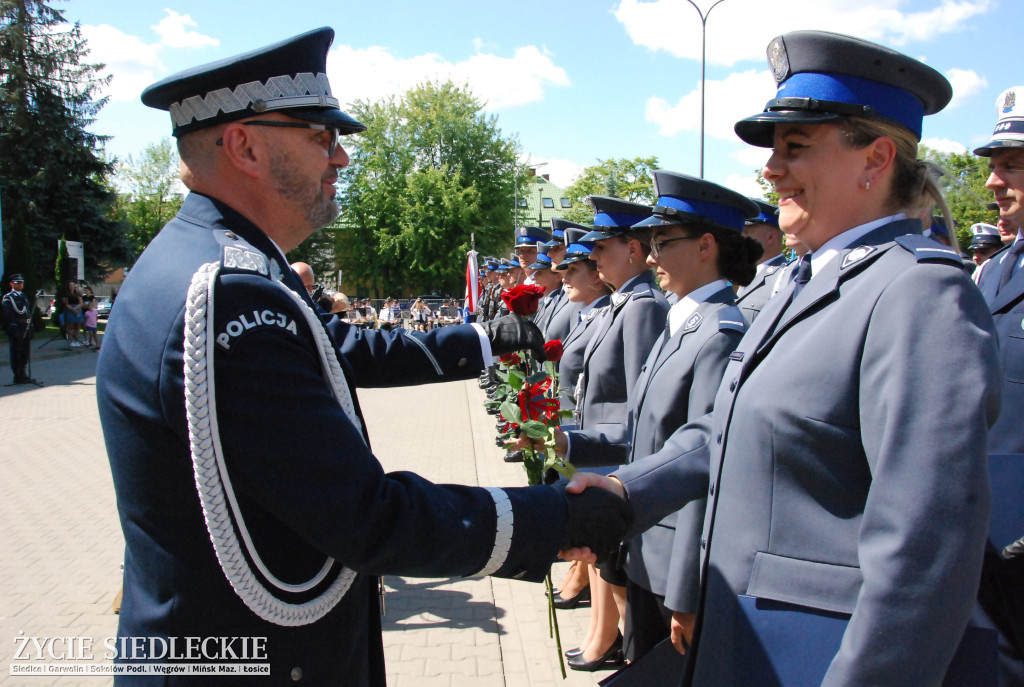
(631,261)
(867,185)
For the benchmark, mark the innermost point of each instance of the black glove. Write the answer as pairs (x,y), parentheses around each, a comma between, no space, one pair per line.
(510,333)
(1015,551)
(598,519)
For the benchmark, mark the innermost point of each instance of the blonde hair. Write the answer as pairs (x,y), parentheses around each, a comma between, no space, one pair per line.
(915,188)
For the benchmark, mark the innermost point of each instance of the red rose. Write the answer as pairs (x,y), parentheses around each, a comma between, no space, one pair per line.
(553,350)
(523,299)
(509,358)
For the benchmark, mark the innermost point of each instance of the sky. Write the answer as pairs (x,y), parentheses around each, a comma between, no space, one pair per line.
(575,81)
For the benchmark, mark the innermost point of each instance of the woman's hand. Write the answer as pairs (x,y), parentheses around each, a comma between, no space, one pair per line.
(682,630)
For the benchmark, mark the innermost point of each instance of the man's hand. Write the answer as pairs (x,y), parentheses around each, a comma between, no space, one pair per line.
(598,520)
(1015,551)
(582,480)
(510,333)
(682,630)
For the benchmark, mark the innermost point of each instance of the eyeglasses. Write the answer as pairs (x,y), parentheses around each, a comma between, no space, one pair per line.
(332,145)
(657,245)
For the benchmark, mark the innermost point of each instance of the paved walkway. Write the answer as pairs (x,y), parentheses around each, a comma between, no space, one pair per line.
(61,546)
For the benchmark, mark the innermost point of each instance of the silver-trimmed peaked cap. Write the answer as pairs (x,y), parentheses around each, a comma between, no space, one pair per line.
(1009,132)
(823,77)
(289,77)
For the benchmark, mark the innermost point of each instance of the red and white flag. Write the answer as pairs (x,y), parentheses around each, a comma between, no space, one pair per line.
(472,282)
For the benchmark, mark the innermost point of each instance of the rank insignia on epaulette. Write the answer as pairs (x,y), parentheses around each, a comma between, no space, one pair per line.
(856,255)
(692,323)
(242,259)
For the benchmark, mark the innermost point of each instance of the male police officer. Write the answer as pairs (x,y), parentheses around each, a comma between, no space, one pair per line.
(18,321)
(242,516)
(1002,284)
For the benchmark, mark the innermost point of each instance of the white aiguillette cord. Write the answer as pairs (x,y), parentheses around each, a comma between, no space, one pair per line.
(213,481)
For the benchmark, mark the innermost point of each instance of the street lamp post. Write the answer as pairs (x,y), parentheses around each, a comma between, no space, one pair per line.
(703,53)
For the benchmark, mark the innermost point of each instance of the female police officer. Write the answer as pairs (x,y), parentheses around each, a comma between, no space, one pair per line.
(847,506)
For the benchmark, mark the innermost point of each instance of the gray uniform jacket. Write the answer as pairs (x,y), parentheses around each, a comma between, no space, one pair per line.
(842,480)
(623,337)
(752,297)
(678,382)
(574,345)
(561,316)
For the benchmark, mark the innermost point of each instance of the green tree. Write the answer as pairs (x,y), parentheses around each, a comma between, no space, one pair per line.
(962,178)
(630,180)
(768,187)
(430,170)
(52,171)
(149,195)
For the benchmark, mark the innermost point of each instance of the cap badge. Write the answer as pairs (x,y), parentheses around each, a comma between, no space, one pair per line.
(1009,100)
(856,255)
(778,59)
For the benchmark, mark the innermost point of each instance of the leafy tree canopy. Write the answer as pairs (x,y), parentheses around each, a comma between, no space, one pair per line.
(53,177)
(623,178)
(148,192)
(430,170)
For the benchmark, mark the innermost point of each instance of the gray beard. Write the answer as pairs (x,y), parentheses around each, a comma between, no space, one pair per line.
(318,209)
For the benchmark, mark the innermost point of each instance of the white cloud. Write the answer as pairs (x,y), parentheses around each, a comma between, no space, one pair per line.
(751,156)
(375,73)
(174,34)
(739,95)
(561,172)
(966,83)
(944,145)
(133,63)
(741,29)
(745,184)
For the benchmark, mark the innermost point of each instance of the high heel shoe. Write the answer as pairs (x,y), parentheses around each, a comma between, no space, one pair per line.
(573,601)
(612,658)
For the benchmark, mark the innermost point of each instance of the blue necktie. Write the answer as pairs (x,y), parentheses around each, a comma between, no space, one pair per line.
(803,274)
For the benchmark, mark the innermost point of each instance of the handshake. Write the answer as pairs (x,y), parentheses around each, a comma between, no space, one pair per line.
(598,517)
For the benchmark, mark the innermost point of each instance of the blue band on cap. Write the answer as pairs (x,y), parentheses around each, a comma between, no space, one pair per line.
(578,249)
(718,214)
(541,257)
(557,233)
(888,101)
(616,220)
(530,239)
(1009,127)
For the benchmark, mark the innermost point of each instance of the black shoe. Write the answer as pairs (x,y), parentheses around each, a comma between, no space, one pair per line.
(573,601)
(492,411)
(578,651)
(516,457)
(612,658)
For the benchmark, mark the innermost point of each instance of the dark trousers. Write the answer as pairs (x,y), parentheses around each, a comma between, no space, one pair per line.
(19,356)
(648,622)
(1001,596)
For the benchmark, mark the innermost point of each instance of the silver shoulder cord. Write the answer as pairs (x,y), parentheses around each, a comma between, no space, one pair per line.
(213,481)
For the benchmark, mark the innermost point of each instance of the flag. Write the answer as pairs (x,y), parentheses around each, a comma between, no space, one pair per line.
(472,282)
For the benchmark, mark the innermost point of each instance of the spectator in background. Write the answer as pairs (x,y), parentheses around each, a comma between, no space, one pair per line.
(91,318)
(73,317)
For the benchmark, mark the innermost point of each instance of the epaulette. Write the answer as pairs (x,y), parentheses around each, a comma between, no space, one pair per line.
(731,319)
(642,291)
(238,256)
(927,250)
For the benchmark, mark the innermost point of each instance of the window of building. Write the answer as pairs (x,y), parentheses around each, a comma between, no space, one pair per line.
(549,203)
(522,202)
(566,204)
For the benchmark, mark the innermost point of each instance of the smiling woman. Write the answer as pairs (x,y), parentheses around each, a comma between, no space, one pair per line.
(827,499)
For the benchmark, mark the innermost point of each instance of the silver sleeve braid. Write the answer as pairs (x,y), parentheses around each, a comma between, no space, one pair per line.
(213,481)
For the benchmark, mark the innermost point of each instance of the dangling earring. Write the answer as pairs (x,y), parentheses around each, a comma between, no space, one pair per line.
(631,261)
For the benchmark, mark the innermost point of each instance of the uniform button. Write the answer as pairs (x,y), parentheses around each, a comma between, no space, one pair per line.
(297,671)
(718,439)
(463,362)
(703,545)
(732,385)
(711,489)
(643,369)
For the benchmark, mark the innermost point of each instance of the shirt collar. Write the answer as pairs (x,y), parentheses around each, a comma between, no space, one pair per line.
(680,312)
(831,248)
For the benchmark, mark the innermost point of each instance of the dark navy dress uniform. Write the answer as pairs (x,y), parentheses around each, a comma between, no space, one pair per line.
(850,496)
(250,502)
(18,319)
(1002,284)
